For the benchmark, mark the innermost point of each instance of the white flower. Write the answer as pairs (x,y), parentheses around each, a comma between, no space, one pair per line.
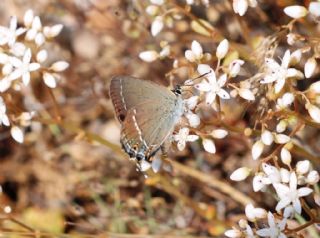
(3,116)
(149,56)
(190,104)
(314,8)
(28,18)
(296,56)
(313,177)
(209,145)
(196,52)
(52,31)
(314,112)
(285,101)
(285,156)
(253,213)
(183,136)
(214,86)
(59,66)
(35,32)
(290,194)
(49,80)
(273,174)
(267,137)
(17,134)
(275,228)
(246,94)
(234,233)
(258,182)
(18,49)
(42,56)
(234,67)
(222,49)
(9,35)
(157,2)
(240,174)
(257,149)
(310,67)
(281,138)
(296,11)
(315,87)
(219,133)
(157,26)
(278,73)
(23,67)
(303,167)
(241,6)
(282,126)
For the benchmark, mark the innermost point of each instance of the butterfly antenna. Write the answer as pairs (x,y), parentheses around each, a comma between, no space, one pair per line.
(200,76)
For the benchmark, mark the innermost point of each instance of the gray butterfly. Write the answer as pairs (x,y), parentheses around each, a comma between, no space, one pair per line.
(147,112)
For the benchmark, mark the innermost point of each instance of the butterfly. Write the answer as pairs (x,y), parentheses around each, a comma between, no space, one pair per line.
(147,112)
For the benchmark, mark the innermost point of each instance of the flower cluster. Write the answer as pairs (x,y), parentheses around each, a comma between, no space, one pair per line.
(222,77)
(24,54)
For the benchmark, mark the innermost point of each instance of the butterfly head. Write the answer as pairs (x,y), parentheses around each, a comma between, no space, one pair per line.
(177,90)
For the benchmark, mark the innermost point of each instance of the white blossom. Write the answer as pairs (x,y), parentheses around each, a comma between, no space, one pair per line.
(234,233)
(309,67)
(9,35)
(59,66)
(240,6)
(23,67)
(149,56)
(257,149)
(313,177)
(3,116)
(281,138)
(52,31)
(253,213)
(157,26)
(296,11)
(314,112)
(234,67)
(273,174)
(315,87)
(275,228)
(246,94)
(157,2)
(285,101)
(209,145)
(295,57)
(279,73)
(183,136)
(303,167)
(212,87)
(219,133)
(240,174)
(267,137)
(17,134)
(285,156)
(190,104)
(222,49)
(291,194)
(49,80)
(314,8)
(196,52)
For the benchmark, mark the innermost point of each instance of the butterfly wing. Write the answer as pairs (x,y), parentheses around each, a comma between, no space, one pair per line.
(148,113)
(127,92)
